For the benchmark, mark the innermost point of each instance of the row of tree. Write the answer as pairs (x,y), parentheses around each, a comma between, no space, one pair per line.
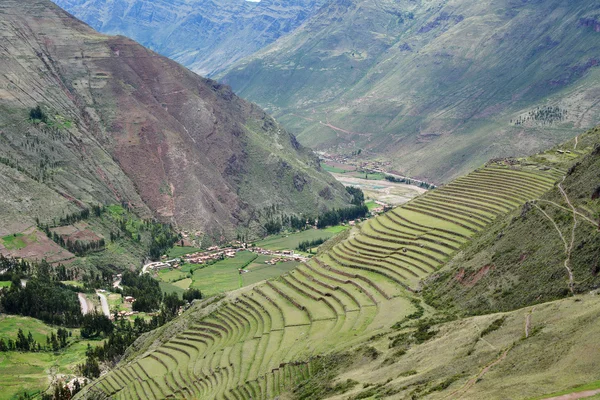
(54,342)
(309,244)
(44,299)
(409,181)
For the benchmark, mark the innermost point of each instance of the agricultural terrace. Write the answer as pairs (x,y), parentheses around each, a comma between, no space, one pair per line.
(264,338)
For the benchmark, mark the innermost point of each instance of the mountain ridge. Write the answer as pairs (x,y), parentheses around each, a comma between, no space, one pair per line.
(220,33)
(436,88)
(124,124)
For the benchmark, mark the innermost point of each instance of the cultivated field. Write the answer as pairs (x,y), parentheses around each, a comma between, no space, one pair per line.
(265,338)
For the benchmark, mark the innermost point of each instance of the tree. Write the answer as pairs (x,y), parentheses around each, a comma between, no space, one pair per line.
(192,294)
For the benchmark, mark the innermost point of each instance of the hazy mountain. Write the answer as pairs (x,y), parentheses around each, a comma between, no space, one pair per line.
(123,124)
(205,36)
(437,87)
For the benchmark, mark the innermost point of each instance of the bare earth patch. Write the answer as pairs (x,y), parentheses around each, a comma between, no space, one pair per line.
(38,247)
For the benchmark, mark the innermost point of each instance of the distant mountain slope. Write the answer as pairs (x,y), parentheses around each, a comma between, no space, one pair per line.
(123,124)
(436,87)
(205,36)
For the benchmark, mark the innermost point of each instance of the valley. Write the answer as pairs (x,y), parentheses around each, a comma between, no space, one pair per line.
(340,300)
(422,220)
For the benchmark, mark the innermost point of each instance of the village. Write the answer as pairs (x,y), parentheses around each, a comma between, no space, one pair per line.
(216,253)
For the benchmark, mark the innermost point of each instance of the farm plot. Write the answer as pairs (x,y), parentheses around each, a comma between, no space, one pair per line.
(261,341)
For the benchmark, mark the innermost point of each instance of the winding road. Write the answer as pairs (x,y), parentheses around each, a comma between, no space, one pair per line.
(83,302)
(104,302)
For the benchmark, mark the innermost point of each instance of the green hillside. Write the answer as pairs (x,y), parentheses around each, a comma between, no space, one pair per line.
(283,336)
(437,88)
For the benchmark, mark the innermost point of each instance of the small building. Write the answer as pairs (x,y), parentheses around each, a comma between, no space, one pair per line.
(129,299)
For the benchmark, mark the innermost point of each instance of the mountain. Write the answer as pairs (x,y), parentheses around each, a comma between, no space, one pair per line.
(354,322)
(205,36)
(119,124)
(437,88)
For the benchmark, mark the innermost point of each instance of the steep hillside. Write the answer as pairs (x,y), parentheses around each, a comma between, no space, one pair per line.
(118,123)
(359,300)
(546,250)
(205,36)
(436,87)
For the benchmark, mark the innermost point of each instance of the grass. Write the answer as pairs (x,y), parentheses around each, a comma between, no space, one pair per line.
(179,251)
(221,276)
(73,283)
(169,288)
(30,372)
(336,170)
(292,240)
(14,241)
(588,386)
(171,275)
(183,283)
(5,284)
(260,272)
(378,176)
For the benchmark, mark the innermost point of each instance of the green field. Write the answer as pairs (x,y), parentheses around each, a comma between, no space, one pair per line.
(171,275)
(13,242)
(336,170)
(168,288)
(261,271)
(362,296)
(221,276)
(5,284)
(179,251)
(376,176)
(30,371)
(292,240)
(224,276)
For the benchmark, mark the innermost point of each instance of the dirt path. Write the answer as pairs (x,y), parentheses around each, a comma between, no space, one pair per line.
(575,396)
(572,244)
(586,218)
(576,142)
(457,394)
(528,323)
(568,248)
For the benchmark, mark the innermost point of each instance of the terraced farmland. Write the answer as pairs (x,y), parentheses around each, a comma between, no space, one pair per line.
(263,339)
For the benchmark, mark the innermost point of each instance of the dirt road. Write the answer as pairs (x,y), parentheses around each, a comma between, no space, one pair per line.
(84,304)
(104,302)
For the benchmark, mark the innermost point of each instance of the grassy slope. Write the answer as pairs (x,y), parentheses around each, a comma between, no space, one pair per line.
(433,89)
(415,351)
(525,252)
(448,365)
(33,371)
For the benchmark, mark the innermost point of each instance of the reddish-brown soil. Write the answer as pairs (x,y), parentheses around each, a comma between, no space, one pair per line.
(38,247)
(77,232)
(472,279)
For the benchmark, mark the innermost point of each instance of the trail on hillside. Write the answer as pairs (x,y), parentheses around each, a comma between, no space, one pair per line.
(585,218)
(568,247)
(528,323)
(573,229)
(457,394)
(575,396)
(576,141)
